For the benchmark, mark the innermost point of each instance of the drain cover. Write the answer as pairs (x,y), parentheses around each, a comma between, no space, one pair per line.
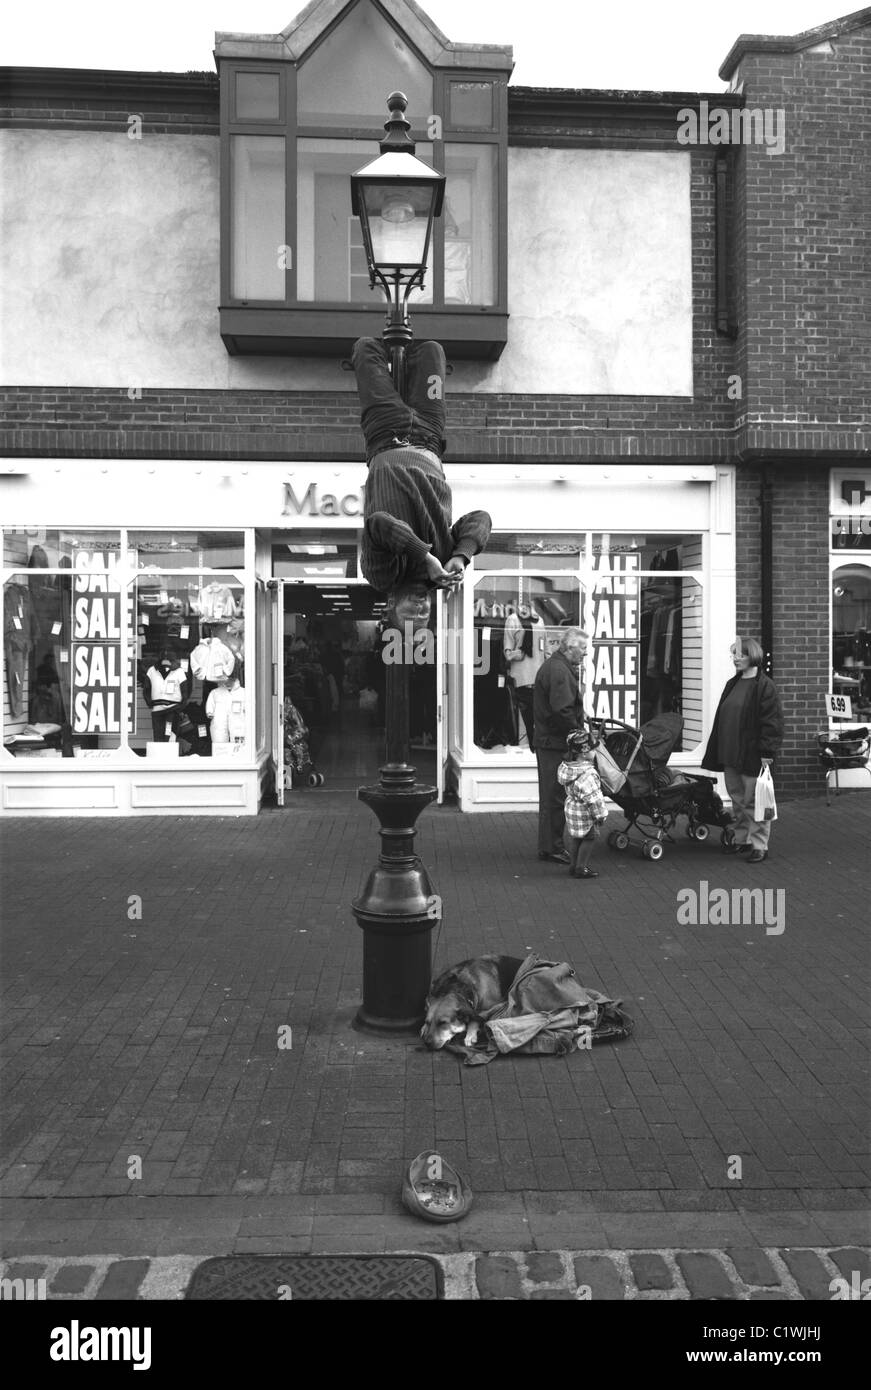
(277,1277)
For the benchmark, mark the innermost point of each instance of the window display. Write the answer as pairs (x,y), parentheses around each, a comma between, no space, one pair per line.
(851,636)
(83,639)
(190,639)
(633,595)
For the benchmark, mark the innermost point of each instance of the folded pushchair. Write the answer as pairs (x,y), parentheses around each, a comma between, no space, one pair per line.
(297,746)
(633,767)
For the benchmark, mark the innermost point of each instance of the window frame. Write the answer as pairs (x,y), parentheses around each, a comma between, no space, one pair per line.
(298,326)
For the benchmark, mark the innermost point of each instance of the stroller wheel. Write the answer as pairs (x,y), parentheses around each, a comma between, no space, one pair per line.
(652,849)
(314,779)
(700,833)
(618,839)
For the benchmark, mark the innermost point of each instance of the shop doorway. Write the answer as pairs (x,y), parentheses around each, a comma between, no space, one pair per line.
(329,684)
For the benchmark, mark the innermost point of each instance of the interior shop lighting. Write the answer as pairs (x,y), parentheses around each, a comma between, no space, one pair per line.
(313,548)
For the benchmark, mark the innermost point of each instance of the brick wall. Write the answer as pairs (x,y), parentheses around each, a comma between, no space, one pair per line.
(800,604)
(805,220)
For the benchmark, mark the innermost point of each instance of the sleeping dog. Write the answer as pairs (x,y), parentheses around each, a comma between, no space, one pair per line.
(462,993)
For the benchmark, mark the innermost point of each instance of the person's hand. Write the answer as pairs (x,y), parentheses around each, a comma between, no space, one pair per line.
(456,566)
(438,575)
(766,762)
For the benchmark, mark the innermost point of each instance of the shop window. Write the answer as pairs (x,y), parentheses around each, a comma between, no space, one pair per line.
(519,621)
(190,666)
(293,262)
(851,636)
(62,627)
(638,597)
(62,685)
(199,550)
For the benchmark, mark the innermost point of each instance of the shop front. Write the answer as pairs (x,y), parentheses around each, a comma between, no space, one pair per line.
(153,669)
(850,566)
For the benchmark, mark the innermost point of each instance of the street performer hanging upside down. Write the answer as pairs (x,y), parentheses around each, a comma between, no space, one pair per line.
(409,545)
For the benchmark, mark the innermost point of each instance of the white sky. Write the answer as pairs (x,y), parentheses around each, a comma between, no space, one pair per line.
(671,45)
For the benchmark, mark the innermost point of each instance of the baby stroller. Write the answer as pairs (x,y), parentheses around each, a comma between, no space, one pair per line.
(298,758)
(837,752)
(634,773)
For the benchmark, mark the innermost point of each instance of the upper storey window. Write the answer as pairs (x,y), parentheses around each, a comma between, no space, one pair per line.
(302,111)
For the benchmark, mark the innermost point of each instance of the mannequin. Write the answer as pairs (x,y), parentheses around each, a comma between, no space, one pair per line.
(225,708)
(524,654)
(167,690)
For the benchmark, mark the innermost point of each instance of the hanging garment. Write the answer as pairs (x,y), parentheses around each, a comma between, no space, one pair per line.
(225,708)
(166,688)
(212,660)
(217,604)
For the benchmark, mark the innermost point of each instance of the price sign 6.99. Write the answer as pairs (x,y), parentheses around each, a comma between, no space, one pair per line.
(839,706)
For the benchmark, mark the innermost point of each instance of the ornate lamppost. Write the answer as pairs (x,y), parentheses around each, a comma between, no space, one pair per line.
(396,198)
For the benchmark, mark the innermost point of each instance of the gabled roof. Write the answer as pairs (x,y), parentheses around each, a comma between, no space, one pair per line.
(769,43)
(306,28)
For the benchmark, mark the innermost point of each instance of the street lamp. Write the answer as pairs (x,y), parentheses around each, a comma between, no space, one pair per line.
(396,198)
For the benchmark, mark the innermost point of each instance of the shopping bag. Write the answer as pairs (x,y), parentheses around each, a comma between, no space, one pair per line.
(612,777)
(766,806)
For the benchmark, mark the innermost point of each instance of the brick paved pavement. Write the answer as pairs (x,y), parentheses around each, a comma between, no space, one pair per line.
(736,1274)
(156,1040)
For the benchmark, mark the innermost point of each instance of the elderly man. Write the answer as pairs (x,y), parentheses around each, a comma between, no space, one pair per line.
(558,708)
(410,546)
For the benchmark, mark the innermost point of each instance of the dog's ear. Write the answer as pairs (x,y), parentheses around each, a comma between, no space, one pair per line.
(471,1003)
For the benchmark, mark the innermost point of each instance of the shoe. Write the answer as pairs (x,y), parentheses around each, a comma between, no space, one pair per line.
(559,856)
(586,873)
(757,856)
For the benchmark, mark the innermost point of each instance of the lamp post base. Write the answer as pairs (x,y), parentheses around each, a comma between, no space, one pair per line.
(396,910)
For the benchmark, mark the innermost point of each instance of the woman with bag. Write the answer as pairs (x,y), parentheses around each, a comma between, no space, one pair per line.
(745,739)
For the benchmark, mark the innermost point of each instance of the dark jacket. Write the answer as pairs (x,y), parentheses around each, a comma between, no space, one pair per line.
(557,703)
(761,732)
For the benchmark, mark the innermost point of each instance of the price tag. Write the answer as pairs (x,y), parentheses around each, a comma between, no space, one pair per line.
(55,629)
(16,622)
(184,633)
(839,706)
(64,657)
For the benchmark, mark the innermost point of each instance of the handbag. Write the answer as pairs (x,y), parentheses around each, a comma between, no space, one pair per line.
(766,806)
(612,777)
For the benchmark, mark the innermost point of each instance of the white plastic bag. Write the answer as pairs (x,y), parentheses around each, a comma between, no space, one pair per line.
(766,806)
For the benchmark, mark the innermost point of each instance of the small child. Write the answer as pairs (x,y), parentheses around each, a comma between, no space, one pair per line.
(585,805)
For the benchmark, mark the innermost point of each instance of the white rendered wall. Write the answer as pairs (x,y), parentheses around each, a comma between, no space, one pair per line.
(110,271)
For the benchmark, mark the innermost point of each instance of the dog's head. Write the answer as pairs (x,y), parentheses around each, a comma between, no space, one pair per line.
(446,1015)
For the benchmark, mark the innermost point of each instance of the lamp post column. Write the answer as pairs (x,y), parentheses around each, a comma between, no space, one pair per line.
(397,908)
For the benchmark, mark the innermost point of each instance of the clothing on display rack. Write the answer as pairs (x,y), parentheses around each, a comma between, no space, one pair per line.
(212,660)
(225,709)
(217,604)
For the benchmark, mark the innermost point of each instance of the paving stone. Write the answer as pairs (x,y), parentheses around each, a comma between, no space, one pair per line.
(852,1261)
(809,1272)
(71,1279)
(753,1265)
(651,1272)
(553,1293)
(497,1276)
(544,1269)
(705,1277)
(601,1275)
(122,1279)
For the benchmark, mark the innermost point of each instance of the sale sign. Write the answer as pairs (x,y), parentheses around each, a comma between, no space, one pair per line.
(96,655)
(613,624)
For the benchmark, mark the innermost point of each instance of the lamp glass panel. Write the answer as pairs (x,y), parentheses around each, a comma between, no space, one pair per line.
(398,223)
(338,88)
(257,193)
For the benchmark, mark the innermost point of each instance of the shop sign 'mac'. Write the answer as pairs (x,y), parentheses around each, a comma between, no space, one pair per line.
(327,505)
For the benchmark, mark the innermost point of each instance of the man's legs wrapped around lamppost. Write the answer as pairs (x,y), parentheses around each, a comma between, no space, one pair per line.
(410,545)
